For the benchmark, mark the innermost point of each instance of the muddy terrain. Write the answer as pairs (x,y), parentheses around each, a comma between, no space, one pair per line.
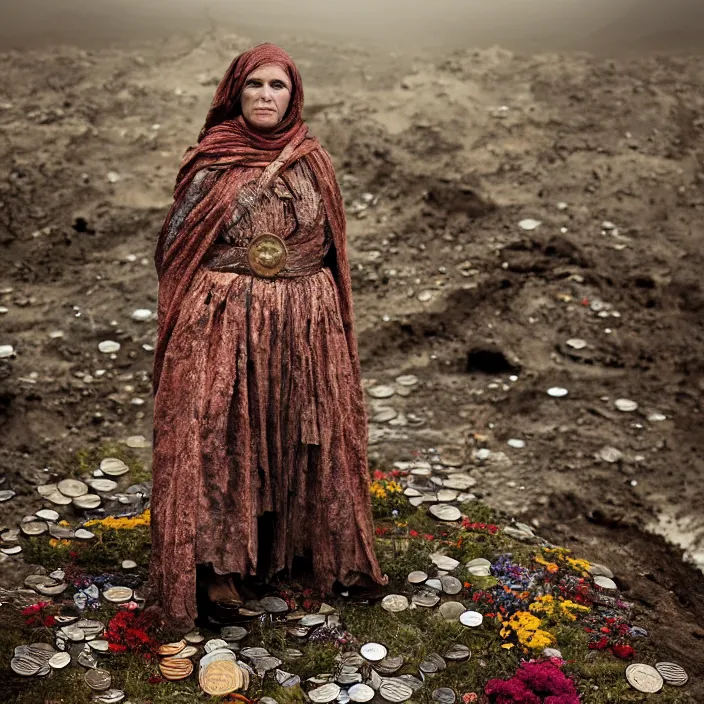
(516,223)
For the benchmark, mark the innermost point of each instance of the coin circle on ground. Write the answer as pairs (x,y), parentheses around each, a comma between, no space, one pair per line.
(112,696)
(174,668)
(274,605)
(99,680)
(444,695)
(48,514)
(32,528)
(390,664)
(458,653)
(471,619)
(56,497)
(217,643)
(444,512)
(443,562)
(451,585)
(381,391)
(557,392)
(220,678)
(394,603)
(361,693)
(172,648)
(25,665)
(417,577)
(60,660)
(373,652)
(325,694)
(72,487)
(118,595)
(87,502)
(625,405)
(605,582)
(395,691)
(113,467)
(644,678)
(426,599)
(672,673)
(229,633)
(109,346)
(102,485)
(452,610)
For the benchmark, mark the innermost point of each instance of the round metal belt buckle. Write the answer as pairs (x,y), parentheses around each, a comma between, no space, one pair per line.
(267,255)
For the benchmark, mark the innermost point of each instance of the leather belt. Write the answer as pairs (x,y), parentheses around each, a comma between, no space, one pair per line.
(266,256)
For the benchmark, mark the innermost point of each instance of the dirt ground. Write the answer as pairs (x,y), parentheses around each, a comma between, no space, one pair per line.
(440,157)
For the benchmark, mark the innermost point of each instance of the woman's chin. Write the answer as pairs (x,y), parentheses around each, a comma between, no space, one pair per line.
(262,124)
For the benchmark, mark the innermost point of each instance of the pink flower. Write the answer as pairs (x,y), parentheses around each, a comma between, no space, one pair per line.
(469,698)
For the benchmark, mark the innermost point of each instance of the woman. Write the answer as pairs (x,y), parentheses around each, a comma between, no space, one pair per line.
(259,421)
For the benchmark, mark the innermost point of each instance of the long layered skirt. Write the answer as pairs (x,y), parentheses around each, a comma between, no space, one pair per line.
(259,414)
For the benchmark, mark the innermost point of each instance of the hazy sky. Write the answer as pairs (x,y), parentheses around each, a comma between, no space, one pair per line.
(396,23)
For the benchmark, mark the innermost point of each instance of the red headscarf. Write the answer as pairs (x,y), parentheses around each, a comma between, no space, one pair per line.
(228,142)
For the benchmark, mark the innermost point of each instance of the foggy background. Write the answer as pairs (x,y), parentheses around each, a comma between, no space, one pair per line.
(598,25)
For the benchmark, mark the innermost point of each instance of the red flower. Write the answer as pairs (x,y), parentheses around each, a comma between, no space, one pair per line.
(379,475)
(623,651)
(413,533)
(427,536)
(600,644)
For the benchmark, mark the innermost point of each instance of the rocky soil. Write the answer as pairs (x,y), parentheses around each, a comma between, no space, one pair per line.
(443,160)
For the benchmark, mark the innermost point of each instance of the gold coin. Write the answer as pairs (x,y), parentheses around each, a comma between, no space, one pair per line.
(220,678)
(176,668)
(172,648)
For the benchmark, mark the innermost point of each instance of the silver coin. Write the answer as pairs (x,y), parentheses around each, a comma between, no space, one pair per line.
(42,651)
(461,482)
(361,693)
(373,652)
(14,550)
(443,562)
(597,570)
(557,392)
(325,694)
(48,514)
(381,391)
(471,619)
(109,347)
(348,678)
(287,679)
(451,585)
(72,487)
(43,671)
(83,534)
(59,660)
(112,696)
(312,620)
(434,584)
(444,695)
(605,582)
(672,673)
(61,532)
(447,495)
(51,589)
(274,605)
(56,497)
(217,643)
(255,653)
(11,535)
(87,502)
(26,665)
(452,610)
(426,599)
(625,405)
(390,664)
(438,660)
(229,633)
(101,646)
(113,467)
(407,380)
(102,486)
(6,495)
(395,691)
(298,631)
(21,650)
(265,664)
(351,659)
(457,653)
(219,654)
(98,680)
(394,603)
(644,678)
(417,577)
(34,528)
(91,627)
(428,667)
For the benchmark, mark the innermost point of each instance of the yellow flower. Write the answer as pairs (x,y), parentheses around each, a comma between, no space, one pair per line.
(528,631)
(111,522)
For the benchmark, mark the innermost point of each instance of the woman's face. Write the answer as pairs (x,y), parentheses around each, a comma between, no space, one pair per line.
(265,97)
